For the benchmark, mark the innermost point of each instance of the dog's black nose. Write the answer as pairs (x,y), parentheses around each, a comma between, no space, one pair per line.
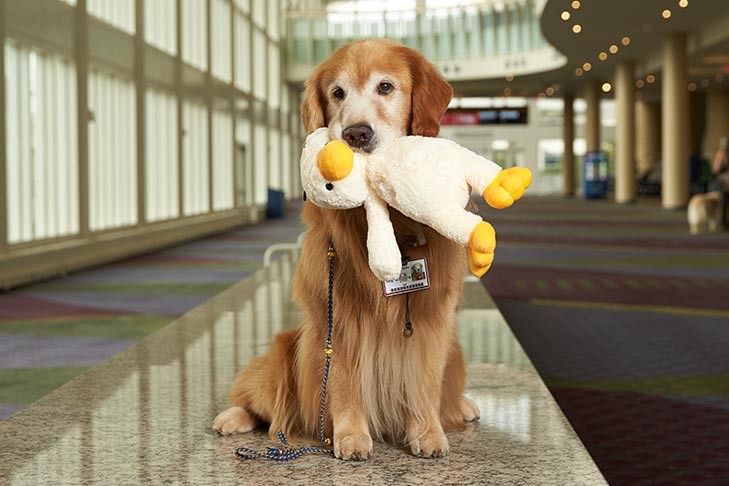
(358,135)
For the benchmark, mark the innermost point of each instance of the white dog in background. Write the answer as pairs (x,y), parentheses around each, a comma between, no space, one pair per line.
(704,213)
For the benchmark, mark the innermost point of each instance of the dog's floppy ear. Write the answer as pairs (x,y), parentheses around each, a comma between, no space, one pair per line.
(430,98)
(312,107)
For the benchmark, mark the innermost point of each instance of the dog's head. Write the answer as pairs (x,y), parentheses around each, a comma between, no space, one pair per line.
(372,91)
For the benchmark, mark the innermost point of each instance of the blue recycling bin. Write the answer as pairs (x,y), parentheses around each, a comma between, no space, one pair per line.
(275,205)
(596,175)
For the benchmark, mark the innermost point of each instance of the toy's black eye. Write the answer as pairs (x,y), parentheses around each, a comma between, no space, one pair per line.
(385,88)
(338,93)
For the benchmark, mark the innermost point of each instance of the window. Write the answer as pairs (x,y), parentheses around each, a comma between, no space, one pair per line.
(160,24)
(42,154)
(242,52)
(119,13)
(196,169)
(162,175)
(194,33)
(221,40)
(222,160)
(112,151)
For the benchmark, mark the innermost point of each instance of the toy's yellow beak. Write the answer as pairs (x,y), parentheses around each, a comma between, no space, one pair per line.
(335,161)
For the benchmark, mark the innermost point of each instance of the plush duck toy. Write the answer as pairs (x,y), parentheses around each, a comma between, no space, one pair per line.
(427,179)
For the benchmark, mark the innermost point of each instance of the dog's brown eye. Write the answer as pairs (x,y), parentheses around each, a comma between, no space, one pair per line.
(338,93)
(385,88)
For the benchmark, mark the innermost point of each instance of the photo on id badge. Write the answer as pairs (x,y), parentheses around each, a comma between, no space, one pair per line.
(413,277)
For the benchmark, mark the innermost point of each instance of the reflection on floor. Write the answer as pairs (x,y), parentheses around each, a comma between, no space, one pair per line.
(53,331)
(144,416)
(626,317)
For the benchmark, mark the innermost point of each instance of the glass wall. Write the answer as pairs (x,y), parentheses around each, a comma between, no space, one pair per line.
(175,125)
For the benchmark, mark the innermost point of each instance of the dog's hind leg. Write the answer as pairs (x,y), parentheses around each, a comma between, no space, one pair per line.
(234,420)
(262,392)
(456,408)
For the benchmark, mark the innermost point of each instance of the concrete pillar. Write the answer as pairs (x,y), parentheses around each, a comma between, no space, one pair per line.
(81,53)
(675,99)
(568,156)
(625,133)
(592,116)
(648,135)
(141,108)
(717,121)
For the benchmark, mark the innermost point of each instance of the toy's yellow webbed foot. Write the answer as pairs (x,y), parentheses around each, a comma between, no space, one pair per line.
(508,186)
(481,246)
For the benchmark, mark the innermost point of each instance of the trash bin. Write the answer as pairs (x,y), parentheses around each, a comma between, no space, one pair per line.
(275,205)
(596,175)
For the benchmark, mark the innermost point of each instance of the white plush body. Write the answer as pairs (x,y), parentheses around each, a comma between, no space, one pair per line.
(430,180)
(427,179)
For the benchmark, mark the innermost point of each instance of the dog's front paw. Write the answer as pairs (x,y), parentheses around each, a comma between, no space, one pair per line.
(508,187)
(235,420)
(432,444)
(356,447)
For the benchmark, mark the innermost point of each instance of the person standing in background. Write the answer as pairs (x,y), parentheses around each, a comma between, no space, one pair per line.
(720,171)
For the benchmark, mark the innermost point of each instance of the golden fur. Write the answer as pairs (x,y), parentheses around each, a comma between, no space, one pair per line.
(381,385)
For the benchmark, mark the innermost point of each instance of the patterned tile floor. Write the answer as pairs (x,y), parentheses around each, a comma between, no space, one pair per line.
(626,317)
(55,330)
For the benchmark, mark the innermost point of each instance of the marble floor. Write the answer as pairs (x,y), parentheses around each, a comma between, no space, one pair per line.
(143,416)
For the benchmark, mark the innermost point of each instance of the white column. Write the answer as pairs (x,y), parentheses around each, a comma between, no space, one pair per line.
(675,146)
(568,157)
(592,122)
(648,135)
(625,133)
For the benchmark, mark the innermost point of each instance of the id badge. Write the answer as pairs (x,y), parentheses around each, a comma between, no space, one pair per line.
(413,277)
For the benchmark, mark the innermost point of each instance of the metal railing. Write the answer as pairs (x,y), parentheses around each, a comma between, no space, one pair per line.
(473,31)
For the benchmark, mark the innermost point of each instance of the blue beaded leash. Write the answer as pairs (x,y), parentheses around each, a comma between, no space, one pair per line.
(285,452)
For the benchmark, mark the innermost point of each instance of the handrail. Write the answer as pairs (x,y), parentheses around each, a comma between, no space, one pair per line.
(282,247)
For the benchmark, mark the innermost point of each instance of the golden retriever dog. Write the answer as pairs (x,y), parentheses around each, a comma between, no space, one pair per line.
(382,385)
(704,213)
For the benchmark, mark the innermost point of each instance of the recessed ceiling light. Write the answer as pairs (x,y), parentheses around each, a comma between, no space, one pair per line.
(683,3)
(606,87)
(666,14)
(549,91)
(692,87)
(577,28)
(639,84)
(602,56)
(565,15)
(705,83)
(579,71)
(587,66)
(625,40)
(650,79)
(613,49)
(576,4)
(507,91)
(510,77)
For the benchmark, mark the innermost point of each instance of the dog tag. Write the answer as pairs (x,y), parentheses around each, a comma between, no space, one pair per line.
(413,277)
